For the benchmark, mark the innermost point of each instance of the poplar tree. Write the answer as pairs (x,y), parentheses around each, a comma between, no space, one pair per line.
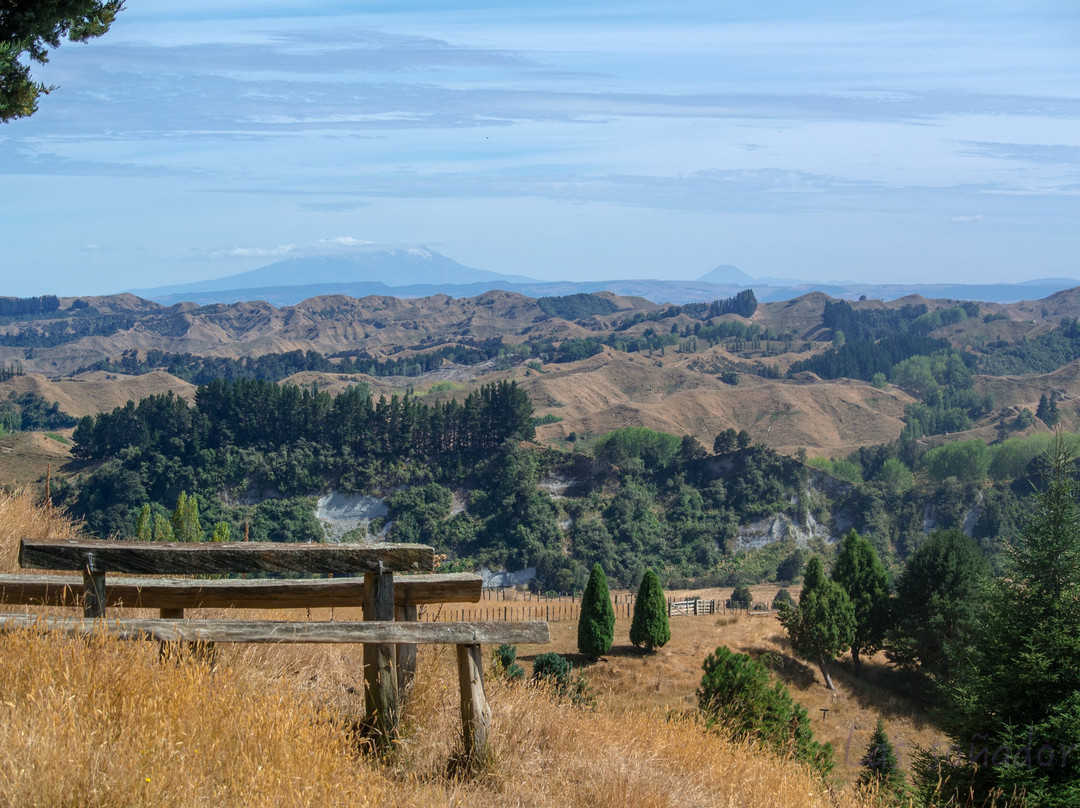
(144,524)
(185,519)
(650,625)
(596,627)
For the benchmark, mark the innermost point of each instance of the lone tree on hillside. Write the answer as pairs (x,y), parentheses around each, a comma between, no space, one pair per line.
(650,625)
(859,571)
(823,625)
(596,627)
(28,28)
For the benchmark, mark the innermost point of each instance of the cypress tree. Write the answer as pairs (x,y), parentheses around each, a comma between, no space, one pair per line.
(823,625)
(596,627)
(650,625)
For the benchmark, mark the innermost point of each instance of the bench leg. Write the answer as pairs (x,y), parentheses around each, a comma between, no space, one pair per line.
(475,711)
(406,653)
(380,678)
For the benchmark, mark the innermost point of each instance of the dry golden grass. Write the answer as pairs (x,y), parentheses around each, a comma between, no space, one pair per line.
(22,518)
(106,723)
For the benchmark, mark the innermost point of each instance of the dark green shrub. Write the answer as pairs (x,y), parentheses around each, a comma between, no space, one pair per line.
(650,625)
(505,663)
(736,693)
(555,670)
(596,627)
(783,598)
(741,598)
(552,667)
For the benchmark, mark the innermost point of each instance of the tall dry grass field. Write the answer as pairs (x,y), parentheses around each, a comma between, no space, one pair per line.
(107,723)
(21,517)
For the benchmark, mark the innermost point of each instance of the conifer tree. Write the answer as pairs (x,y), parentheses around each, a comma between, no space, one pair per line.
(650,625)
(1014,712)
(596,627)
(859,571)
(823,625)
(880,767)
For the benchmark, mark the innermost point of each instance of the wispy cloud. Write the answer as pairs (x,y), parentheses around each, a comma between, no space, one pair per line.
(280,251)
(1047,154)
(337,245)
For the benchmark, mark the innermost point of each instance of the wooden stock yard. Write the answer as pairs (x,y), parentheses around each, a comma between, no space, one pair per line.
(379,593)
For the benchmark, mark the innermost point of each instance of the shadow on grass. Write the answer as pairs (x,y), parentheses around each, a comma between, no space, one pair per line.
(791,670)
(584,661)
(890,692)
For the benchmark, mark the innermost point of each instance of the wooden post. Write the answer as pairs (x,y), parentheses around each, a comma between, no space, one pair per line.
(380,679)
(93,588)
(406,653)
(475,711)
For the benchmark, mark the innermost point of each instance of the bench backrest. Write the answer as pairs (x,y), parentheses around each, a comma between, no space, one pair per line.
(217,558)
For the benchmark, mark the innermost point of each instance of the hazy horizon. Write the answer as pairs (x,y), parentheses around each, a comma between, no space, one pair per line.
(893,143)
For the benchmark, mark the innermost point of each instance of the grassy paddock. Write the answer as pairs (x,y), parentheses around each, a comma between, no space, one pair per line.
(106,723)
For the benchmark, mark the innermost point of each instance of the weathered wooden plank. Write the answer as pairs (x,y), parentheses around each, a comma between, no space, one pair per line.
(290,631)
(259,593)
(380,674)
(187,558)
(406,652)
(475,710)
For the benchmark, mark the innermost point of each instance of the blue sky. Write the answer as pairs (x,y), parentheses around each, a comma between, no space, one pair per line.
(914,142)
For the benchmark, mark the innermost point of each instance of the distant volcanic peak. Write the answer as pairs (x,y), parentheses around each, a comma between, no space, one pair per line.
(395,267)
(725,273)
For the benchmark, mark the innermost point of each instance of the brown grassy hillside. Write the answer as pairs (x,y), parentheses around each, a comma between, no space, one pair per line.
(97,392)
(614,390)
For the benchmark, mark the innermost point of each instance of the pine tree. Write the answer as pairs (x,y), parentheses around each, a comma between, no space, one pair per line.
(650,625)
(880,767)
(1014,713)
(823,625)
(596,626)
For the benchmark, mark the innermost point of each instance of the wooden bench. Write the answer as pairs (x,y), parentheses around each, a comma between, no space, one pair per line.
(378,593)
(172,596)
